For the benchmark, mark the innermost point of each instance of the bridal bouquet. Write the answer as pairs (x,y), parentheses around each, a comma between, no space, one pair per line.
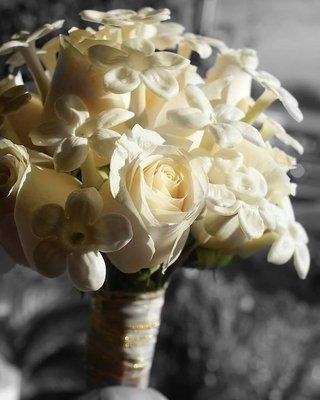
(119,161)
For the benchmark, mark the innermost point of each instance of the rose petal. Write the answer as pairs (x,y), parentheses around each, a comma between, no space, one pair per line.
(87,271)
(84,206)
(145,138)
(50,258)
(161,82)
(47,220)
(121,80)
(111,232)
(70,154)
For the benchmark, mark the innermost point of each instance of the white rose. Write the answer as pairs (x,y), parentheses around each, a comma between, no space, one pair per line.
(160,190)
(14,164)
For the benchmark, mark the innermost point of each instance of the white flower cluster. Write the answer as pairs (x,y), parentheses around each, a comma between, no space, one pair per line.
(124,149)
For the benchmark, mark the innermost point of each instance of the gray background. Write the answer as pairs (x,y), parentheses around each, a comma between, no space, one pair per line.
(246,332)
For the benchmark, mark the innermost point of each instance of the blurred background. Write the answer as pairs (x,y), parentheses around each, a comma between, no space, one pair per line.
(244,332)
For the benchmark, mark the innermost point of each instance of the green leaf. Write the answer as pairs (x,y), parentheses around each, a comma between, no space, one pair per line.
(206,257)
(212,258)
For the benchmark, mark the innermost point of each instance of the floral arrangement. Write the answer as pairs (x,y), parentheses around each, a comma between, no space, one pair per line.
(120,160)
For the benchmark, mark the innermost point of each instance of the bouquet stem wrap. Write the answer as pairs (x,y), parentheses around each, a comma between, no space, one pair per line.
(122,337)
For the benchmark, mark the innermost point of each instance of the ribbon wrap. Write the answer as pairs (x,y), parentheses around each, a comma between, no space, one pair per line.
(122,337)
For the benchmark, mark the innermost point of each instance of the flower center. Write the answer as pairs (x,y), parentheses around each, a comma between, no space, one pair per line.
(167,179)
(5,174)
(77,238)
(138,61)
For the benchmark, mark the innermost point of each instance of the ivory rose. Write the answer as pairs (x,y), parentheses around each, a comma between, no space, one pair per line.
(160,190)
(14,164)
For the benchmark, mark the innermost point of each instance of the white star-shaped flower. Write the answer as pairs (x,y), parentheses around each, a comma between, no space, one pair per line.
(292,242)
(23,43)
(72,238)
(237,190)
(135,63)
(200,44)
(166,35)
(74,132)
(272,128)
(25,39)
(273,85)
(223,121)
(124,17)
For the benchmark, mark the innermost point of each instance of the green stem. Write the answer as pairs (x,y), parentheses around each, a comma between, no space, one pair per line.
(261,104)
(36,70)
(90,174)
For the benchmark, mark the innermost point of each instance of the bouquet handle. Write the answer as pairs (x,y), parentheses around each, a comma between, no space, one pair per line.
(122,337)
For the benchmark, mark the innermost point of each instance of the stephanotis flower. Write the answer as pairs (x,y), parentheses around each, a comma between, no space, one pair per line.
(275,91)
(25,39)
(75,132)
(291,242)
(243,194)
(24,43)
(72,238)
(170,34)
(136,63)
(123,17)
(200,44)
(272,128)
(165,36)
(223,121)
(247,60)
